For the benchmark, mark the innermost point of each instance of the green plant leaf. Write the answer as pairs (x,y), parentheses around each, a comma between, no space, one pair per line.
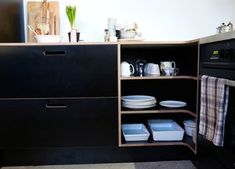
(71,14)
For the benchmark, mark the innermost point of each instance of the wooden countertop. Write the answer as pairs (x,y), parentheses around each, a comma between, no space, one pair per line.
(218,37)
(104,43)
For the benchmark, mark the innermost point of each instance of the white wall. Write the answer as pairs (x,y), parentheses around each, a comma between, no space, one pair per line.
(157,19)
(233,12)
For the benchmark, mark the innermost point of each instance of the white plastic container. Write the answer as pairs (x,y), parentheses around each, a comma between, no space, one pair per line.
(165,130)
(135,132)
(189,126)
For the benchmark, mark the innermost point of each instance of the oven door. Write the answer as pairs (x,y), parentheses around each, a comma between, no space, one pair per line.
(217,59)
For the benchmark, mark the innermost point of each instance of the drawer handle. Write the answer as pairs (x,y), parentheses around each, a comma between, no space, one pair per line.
(54,53)
(54,106)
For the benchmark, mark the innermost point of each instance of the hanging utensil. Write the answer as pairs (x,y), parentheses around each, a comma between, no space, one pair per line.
(32,30)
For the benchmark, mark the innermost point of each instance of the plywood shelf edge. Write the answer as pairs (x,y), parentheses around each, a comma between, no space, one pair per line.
(159,77)
(158,111)
(180,143)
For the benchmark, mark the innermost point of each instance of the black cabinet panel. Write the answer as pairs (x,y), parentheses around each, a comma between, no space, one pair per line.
(58,71)
(58,123)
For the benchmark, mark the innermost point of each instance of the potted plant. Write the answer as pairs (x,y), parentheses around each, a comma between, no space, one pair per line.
(71,14)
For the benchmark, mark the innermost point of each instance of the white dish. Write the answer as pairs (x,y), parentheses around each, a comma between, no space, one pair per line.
(138,106)
(47,38)
(138,98)
(161,122)
(135,132)
(140,103)
(165,130)
(128,34)
(173,103)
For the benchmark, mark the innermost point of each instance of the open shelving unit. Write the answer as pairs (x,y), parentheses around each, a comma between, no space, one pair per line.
(184,87)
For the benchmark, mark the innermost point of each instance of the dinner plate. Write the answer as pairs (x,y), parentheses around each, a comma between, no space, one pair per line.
(138,98)
(173,103)
(140,103)
(138,106)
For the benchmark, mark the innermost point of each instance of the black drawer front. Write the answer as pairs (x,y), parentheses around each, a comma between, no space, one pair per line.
(58,123)
(58,71)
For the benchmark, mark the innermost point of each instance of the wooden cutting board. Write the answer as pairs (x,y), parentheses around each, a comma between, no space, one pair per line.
(43,17)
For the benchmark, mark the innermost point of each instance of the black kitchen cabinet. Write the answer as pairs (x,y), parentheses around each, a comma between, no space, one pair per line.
(58,71)
(60,104)
(58,96)
(57,123)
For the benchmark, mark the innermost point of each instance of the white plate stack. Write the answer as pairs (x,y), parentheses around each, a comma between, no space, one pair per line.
(138,101)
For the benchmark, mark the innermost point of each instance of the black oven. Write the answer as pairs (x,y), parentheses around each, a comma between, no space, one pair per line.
(218,59)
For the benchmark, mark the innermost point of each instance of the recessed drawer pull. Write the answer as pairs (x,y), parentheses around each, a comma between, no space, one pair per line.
(54,106)
(54,53)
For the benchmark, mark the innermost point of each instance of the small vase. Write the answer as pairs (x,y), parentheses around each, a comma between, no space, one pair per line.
(74,35)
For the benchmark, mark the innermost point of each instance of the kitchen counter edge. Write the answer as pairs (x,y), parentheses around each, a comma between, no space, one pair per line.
(101,43)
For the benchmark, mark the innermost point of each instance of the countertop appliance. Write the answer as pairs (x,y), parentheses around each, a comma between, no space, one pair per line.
(217,58)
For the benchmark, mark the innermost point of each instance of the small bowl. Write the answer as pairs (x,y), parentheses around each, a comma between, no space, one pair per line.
(47,38)
(128,34)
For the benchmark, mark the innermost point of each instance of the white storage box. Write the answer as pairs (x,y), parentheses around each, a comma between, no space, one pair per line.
(165,130)
(135,132)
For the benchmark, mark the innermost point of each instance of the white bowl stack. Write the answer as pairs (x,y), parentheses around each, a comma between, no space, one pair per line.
(189,126)
(138,101)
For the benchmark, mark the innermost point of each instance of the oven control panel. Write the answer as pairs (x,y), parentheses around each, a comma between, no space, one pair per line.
(218,54)
(221,54)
